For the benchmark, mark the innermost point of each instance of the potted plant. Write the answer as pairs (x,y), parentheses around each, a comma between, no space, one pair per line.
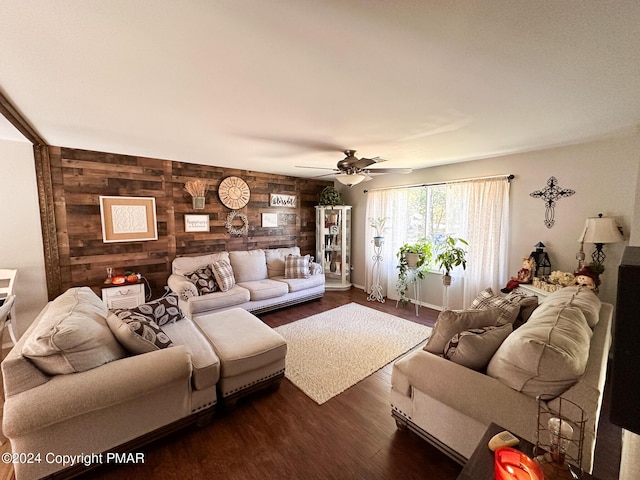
(330,196)
(451,255)
(378,226)
(198,190)
(416,258)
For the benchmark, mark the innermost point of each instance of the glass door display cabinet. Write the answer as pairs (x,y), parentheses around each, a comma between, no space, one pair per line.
(333,245)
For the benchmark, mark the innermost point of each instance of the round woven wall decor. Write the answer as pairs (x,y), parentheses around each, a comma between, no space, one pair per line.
(233,230)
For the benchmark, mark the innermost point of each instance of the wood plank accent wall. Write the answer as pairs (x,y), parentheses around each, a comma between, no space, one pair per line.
(79,177)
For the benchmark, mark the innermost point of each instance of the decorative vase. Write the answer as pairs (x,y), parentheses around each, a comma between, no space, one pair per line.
(412,260)
(197,203)
(446,279)
(377,241)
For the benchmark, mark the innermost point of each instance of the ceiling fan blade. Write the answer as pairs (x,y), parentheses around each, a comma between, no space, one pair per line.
(365,162)
(318,168)
(388,170)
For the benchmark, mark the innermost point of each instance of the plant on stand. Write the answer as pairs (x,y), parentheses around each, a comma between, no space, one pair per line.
(412,258)
(378,226)
(450,255)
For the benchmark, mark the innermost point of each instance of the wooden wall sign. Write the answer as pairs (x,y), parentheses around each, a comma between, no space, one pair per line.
(196,223)
(281,200)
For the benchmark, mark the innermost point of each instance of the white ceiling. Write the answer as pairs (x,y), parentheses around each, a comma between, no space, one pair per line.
(267,85)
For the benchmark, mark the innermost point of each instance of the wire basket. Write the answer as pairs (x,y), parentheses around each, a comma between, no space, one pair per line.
(560,439)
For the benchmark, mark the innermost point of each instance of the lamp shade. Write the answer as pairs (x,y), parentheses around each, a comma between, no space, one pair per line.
(350,179)
(600,230)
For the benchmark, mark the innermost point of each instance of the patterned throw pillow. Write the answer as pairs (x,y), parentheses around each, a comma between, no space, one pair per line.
(487,299)
(137,332)
(161,311)
(296,266)
(204,280)
(224,274)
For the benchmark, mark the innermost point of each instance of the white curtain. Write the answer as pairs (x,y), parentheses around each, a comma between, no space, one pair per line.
(386,204)
(477,210)
(481,217)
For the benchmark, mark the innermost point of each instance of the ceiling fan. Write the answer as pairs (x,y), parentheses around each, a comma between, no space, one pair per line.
(352,170)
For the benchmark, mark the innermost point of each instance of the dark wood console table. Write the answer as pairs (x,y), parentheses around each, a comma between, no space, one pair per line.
(480,465)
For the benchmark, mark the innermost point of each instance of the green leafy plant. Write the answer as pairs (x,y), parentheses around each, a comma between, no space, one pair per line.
(330,196)
(424,251)
(450,254)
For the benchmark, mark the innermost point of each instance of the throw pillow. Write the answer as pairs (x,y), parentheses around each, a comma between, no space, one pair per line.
(224,274)
(451,322)
(527,303)
(204,280)
(161,311)
(487,299)
(474,348)
(296,266)
(137,332)
(72,335)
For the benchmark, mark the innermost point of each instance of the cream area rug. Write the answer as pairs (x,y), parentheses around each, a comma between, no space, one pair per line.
(331,351)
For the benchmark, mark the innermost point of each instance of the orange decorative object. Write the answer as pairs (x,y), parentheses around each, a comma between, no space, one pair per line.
(512,464)
(132,278)
(119,280)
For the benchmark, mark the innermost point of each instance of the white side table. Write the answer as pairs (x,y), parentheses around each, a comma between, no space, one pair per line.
(123,296)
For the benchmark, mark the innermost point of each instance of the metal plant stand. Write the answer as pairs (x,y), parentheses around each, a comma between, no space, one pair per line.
(376,288)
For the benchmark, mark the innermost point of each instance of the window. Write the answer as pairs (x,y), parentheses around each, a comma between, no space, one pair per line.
(475,210)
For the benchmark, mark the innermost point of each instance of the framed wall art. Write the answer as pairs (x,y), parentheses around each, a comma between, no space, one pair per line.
(281,200)
(128,219)
(196,223)
(269,220)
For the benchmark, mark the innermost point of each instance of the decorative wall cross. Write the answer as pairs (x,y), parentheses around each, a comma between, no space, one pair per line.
(550,194)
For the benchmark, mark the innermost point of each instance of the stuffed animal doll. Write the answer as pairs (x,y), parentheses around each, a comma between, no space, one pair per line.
(587,279)
(524,275)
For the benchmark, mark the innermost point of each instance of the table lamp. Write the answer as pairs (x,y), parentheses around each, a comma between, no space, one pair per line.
(598,230)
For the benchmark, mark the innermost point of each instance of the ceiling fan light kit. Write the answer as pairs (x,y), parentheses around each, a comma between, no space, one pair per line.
(351,179)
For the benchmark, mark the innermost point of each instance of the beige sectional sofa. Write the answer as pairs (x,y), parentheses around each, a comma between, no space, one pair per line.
(260,281)
(560,352)
(84,380)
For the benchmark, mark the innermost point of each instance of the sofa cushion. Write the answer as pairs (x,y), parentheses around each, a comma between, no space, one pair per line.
(248,266)
(296,266)
(224,275)
(137,332)
(162,311)
(184,265)
(219,300)
(474,348)
(451,322)
(206,365)
(583,298)
(546,355)
(264,289)
(275,260)
(487,299)
(297,284)
(73,335)
(204,280)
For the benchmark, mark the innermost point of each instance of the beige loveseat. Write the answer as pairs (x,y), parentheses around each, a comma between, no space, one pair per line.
(261,280)
(84,380)
(561,351)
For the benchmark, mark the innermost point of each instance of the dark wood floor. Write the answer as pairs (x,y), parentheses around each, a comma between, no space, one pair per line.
(286,435)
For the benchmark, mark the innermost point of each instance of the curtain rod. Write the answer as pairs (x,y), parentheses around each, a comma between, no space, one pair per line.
(509,177)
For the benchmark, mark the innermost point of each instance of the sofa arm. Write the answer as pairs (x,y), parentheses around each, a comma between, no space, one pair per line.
(182,286)
(110,384)
(315,268)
